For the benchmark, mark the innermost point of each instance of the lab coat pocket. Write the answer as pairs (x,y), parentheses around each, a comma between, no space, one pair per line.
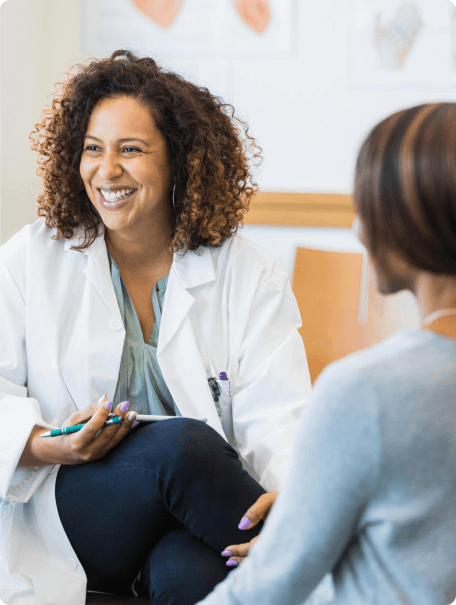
(221,395)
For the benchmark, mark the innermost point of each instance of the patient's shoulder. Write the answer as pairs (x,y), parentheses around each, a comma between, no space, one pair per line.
(405,367)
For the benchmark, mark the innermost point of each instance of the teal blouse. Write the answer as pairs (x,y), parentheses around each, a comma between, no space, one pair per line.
(140,379)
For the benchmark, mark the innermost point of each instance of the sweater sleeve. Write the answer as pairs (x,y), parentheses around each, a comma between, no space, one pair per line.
(332,476)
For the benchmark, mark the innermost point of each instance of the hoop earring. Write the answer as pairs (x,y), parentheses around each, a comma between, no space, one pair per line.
(174,189)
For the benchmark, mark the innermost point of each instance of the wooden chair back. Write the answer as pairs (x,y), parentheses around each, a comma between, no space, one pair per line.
(327,287)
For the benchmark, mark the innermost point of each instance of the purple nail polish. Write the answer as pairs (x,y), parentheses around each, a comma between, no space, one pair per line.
(125,405)
(231,563)
(227,553)
(108,405)
(244,523)
(223,376)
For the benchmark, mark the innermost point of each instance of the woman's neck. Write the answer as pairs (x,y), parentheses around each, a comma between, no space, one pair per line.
(144,248)
(435,292)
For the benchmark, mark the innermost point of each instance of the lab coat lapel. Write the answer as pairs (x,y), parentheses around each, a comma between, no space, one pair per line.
(178,354)
(99,275)
(178,303)
(98,272)
(98,327)
(189,271)
(185,375)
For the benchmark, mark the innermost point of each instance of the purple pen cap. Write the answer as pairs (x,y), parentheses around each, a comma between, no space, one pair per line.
(223,376)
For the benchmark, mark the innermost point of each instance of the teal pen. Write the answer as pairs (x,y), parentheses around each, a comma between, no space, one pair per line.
(114,420)
(77,427)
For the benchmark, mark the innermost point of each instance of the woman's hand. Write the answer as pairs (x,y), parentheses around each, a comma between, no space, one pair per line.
(84,415)
(90,443)
(256,513)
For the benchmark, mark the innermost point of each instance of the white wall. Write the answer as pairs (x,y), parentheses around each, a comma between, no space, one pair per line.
(1,131)
(39,39)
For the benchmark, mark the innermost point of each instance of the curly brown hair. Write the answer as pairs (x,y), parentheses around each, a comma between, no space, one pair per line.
(207,152)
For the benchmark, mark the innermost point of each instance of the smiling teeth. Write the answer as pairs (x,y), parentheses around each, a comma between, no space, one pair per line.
(118,195)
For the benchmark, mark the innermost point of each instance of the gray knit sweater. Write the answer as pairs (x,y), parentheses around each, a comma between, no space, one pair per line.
(371,493)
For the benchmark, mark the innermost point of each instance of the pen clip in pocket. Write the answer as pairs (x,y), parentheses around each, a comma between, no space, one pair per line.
(215,389)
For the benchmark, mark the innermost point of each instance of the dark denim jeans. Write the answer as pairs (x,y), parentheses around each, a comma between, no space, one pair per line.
(166,500)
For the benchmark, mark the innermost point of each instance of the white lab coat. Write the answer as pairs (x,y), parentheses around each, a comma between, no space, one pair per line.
(227,309)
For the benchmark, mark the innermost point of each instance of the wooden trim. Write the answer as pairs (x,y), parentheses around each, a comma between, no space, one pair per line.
(301,209)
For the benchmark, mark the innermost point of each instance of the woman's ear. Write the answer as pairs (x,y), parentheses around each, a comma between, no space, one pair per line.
(356,226)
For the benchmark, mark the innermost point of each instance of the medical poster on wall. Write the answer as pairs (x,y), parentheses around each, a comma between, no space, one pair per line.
(402,44)
(181,28)
(197,38)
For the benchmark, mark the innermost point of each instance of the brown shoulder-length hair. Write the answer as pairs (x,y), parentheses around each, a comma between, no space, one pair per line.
(405,187)
(206,148)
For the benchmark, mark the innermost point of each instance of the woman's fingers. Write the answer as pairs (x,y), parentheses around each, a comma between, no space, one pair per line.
(109,435)
(95,439)
(121,429)
(123,409)
(237,552)
(84,415)
(91,409)
(96,422)
(258,511)
(84,444)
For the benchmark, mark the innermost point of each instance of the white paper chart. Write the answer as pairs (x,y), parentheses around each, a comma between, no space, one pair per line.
(402,44)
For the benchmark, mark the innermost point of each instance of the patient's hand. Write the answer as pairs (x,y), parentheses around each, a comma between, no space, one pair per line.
(256,513)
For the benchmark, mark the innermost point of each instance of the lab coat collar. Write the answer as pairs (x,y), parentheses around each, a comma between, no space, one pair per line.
(97,269)
(188,271)
(192,268)
(92,250)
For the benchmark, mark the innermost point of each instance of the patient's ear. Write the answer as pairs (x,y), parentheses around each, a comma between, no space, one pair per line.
(358,230)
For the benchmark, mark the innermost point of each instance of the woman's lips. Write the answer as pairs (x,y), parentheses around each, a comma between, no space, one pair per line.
(111,205)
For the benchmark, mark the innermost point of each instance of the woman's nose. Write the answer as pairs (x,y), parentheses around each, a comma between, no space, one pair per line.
(110,165)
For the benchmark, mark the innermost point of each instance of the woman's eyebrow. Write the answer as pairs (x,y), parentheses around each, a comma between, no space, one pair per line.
(88,136)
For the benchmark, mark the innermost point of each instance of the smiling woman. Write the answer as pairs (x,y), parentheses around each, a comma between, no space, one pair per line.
(134,290)
(129,187)
(191,140)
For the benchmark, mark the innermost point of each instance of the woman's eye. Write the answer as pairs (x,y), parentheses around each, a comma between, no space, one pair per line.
(126,149)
